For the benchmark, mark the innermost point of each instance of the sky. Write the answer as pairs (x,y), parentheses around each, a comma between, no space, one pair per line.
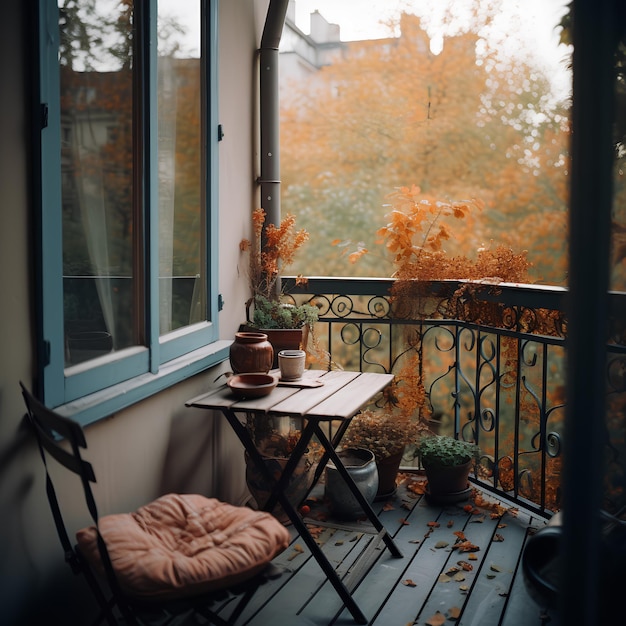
(364,19)
(522,27)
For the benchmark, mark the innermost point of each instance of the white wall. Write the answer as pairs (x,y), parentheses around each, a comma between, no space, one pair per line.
(157,445)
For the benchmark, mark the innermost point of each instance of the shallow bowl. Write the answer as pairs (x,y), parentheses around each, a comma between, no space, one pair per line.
(252,385)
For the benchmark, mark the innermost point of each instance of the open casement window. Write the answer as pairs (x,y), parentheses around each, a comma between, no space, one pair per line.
(128,195)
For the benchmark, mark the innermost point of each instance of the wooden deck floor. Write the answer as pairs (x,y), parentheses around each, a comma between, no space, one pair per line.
(439,580)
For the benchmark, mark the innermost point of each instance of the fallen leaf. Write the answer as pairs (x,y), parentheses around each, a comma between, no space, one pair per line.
(459,577)
(460,534)
(463,587)
(297,549)
(444,578)
(498,537)
(438,619)
(315,529)
(404,522)
(338,543)
(502,525)
(433,524)
(453,570)
(454,612)
(409,583)
(388,506)
(417,487)
(465,546)
(414,541)
(491,576)
(441,544)
(466,566)
(450,523)
(472,557)
(477,520)
(495,568)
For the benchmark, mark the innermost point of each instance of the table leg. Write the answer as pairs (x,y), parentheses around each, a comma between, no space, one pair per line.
(279,494)
(365,505)
(334,442)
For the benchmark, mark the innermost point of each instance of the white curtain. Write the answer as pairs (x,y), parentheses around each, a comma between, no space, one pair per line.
(93,212)
(167,187)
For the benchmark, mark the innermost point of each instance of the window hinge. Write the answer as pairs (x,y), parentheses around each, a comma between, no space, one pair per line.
(220,132)
(220,302)
(45,353)
(44,115)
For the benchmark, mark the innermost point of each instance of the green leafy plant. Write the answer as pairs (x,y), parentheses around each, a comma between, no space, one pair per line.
(275,314)
(443,451)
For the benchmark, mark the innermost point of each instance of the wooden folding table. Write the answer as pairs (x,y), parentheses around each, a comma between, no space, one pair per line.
(338,398)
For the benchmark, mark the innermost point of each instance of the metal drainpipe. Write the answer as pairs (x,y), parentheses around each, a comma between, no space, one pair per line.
(269,179)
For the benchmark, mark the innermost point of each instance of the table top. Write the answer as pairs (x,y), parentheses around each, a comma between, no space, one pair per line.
(340,396)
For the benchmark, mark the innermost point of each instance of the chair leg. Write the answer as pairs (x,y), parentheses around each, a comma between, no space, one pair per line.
(106,606)
(106,614)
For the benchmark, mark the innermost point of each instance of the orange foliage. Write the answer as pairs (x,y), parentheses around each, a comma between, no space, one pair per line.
(272,250)
(396,114)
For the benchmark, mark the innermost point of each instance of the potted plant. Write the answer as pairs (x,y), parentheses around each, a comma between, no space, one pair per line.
(386,433)
(272,250)
(447,462)
(392,423)
(275,437)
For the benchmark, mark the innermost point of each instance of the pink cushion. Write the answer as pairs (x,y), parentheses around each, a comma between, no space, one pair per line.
(182,545)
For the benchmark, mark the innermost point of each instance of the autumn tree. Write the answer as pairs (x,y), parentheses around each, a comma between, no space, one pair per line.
(459,125)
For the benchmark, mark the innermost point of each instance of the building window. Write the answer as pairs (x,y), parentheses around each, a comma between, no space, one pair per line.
(128,202)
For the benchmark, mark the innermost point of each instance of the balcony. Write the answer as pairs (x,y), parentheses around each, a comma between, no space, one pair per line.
(494,375)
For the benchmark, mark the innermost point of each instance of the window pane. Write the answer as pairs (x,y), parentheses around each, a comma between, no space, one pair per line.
(96,61)
(182,283)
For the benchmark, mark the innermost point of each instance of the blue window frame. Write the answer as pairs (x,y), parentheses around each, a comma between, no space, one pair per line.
(127,217)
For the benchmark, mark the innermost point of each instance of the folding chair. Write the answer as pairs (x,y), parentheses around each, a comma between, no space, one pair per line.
(176,555)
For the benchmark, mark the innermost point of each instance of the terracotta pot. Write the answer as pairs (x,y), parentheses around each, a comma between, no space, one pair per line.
(283,339)
(444,481)
(251,352)
(387,473)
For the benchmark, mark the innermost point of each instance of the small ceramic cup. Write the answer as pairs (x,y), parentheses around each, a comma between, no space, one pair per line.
(291,364)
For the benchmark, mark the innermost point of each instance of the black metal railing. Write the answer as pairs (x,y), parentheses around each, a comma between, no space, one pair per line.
(493,374)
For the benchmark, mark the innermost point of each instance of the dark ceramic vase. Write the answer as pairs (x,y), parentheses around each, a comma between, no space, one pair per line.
(297,489)
(251,352)
(361,466)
